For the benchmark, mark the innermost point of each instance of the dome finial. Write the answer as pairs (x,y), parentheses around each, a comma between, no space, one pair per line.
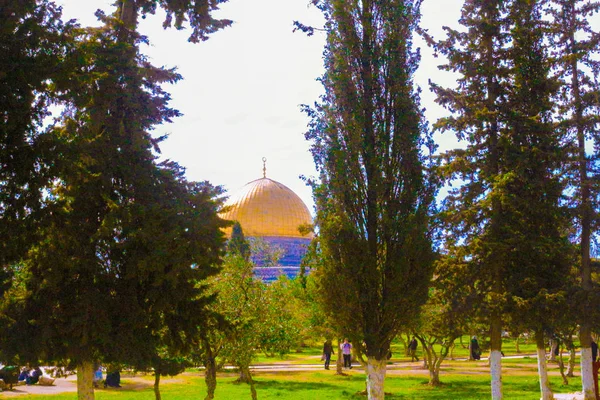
(264,159)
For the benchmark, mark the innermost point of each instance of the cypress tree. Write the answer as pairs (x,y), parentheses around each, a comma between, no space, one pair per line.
(373,200)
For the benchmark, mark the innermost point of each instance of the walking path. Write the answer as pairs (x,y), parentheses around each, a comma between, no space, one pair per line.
(69,384)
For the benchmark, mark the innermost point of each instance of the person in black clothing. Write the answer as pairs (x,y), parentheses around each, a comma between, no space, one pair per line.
(475,349)
(113,379)
(412,349)
(327,350)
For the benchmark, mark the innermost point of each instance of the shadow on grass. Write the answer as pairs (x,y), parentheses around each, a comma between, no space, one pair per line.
(291,386)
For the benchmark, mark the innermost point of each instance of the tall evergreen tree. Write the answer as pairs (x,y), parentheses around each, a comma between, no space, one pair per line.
(473,211)
(373,198)
(33,44)
(539,263)
(576,52)
(507,210)
(125,241)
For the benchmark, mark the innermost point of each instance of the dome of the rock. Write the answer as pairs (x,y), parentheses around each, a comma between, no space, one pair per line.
(271,211)
(265,207)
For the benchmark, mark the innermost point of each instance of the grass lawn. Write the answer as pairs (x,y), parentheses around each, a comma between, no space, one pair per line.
(465,380)
(461,380)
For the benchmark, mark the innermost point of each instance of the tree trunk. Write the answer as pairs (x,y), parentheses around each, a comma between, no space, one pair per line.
(571,367)
(245,376)
(433,365)
(518,350)
(561,368)
(434,376)
(85,380)
(496,374)
(253,389)
(470,352)
(585,208)
(339,364)
(496,357)
(128,13)
(542,367)
(587,378)
(428,359)
(435,362)
(375,378)
(157,384)
(210,377)
(553,346)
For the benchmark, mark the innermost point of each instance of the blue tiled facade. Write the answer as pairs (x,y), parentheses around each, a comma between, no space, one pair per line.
(289,264)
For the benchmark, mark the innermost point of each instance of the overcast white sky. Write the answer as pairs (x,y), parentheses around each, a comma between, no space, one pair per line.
(242,88)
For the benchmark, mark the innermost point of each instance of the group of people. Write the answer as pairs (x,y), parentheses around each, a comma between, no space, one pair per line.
(113,377)
(31,376)
(346,348)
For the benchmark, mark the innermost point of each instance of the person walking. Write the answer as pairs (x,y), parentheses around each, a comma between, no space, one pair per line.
(347,353)
(412,349)
(327,350)
(475,349)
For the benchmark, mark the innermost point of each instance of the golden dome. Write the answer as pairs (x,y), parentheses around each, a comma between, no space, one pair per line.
(265,207)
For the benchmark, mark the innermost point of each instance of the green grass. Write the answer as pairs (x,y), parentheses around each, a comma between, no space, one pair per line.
(465,381)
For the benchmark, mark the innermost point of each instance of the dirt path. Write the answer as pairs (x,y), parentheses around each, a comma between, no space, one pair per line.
(69,385)
(138,382)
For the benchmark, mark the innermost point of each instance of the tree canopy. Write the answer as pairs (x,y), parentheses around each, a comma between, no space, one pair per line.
(373,197)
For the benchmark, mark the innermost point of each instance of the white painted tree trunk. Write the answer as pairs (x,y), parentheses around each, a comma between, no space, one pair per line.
(587,378)
(375,378)
(543,374)
(85,381)
(496,374)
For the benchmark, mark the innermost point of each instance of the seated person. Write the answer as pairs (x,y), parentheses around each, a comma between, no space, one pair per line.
(34,376)
(98,376)
(113,379)
(23,374)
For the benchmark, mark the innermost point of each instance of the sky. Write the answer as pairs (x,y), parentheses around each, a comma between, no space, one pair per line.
(242,88)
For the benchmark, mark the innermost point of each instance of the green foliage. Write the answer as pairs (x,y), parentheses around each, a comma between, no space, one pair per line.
(373,198)
(252,316)
(285,319)
(237,244)
(33,45)
(575,48)
(505,213)
(196,14)
(117,268)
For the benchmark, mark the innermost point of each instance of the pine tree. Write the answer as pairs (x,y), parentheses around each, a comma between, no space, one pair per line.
(373,198)
(33,44)
(473,212)
(116,272)
(576,48)
(538,265)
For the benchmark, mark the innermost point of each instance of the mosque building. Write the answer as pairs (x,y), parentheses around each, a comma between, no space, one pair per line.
(271,211)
